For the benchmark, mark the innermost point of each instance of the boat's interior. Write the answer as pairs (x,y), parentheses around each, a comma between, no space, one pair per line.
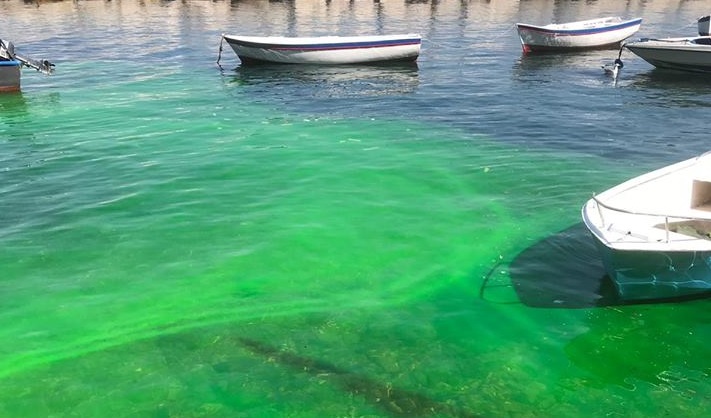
(701,195)
(700,200)
(694,228)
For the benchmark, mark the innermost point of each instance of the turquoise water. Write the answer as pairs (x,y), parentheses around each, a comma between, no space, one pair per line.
(182,239)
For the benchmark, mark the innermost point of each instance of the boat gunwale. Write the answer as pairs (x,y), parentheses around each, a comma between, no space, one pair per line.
(339,43)
(665,44)
(665,215)
(672,241)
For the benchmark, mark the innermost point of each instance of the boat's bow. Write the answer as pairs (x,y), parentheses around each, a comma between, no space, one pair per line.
(685,54)
(654,231)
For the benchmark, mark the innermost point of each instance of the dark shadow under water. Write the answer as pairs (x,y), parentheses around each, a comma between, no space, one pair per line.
(391,400)
(565,271)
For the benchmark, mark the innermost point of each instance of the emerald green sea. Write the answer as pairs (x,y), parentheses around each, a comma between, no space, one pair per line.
(182,238)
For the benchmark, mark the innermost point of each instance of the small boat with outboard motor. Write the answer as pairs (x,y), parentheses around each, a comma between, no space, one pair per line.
(11,64)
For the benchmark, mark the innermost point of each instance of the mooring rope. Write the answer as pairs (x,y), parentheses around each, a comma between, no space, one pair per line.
(219,53)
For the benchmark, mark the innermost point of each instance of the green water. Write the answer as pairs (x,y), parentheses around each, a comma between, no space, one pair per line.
(141,264)
(183,241)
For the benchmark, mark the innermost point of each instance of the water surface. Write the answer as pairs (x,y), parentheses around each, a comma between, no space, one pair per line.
(186,239)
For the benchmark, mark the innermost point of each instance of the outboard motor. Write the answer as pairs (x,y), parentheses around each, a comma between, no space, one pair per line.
(703,23)
(7,50)
(7,53)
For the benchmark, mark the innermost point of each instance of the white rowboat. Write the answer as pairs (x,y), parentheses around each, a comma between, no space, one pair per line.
(325,50)
(593,33)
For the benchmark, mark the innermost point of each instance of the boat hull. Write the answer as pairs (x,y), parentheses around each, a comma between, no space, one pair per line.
(325,50)
(596,33)
(681,54)
(9,76)
(640,275)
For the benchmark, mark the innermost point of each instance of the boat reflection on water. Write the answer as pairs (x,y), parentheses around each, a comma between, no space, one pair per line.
(671,88)
(13,104)
(15,113)
(342,81)
(584,67)
(17,110)
(562,271)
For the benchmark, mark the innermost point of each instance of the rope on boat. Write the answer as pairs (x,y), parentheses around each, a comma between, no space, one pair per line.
(487,277)
(219,53)
(485,283)
(618,64)
(619,56)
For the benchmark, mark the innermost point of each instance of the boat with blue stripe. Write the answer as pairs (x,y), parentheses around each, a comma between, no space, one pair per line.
(584,34)
(325,50)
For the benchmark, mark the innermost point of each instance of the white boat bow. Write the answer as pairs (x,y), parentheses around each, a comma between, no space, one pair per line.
(685,54)
(654,231)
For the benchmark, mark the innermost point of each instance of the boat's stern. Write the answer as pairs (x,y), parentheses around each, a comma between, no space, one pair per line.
(9,75)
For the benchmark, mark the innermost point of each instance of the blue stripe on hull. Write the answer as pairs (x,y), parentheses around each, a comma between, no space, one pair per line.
(410,60)
(577,32)
(327,47)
